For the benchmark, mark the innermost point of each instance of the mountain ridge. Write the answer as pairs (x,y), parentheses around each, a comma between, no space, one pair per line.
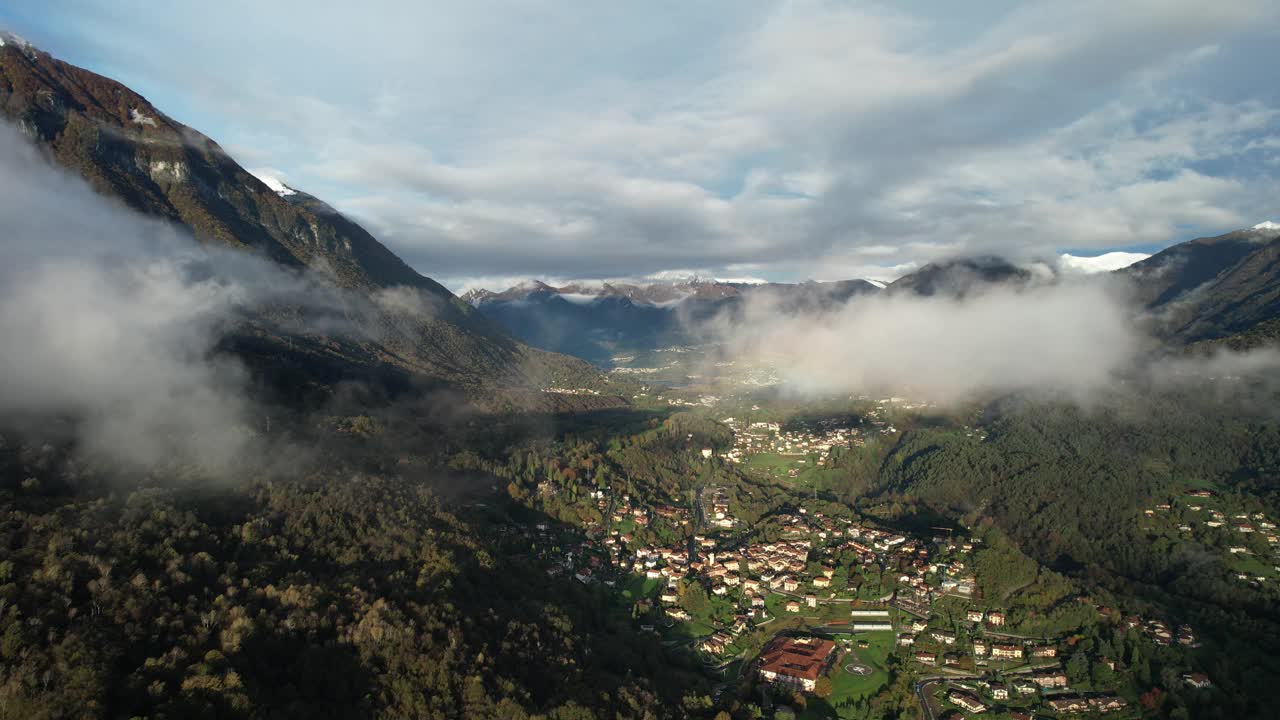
(599,321)
(128,149)
(1215,290)
(657,292)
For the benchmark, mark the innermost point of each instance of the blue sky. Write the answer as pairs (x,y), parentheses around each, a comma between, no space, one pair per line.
(488,141)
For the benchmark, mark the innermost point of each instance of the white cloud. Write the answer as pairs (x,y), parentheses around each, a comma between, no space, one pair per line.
(1105,262)
(272,179)
(1075,338)
(807,137)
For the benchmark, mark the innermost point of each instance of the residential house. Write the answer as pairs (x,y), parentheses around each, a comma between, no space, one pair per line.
(1107,703)
(1197,680)
(1050,679)
(1006,652)
(1068,704)
(966,701)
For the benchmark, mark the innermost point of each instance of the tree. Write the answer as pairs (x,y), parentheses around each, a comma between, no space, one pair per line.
(1078,667)
(695,600)
(823,687)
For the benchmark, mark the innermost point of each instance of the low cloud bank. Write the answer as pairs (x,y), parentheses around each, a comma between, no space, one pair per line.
(111,318)
(1076,337)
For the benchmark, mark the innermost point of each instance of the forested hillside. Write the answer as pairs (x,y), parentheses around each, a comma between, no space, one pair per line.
(1072,486)
(341,594)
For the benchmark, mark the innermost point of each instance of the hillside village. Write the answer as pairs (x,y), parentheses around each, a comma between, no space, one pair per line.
(810,601)
(770,585)
(1248,539)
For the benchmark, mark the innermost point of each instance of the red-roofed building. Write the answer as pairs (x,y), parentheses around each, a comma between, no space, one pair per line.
(797,662)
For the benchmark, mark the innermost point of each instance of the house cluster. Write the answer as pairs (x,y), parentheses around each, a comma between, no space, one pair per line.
(601,553)
(984,693)
(567,554)
(624,510)
(800,566)
(982,649)
(719,641)
(1083,704)
(1248,535)
(752,438)
(1010,669)
(906,559)
(717,507)
(942,569)
(1241,525)
(1160,633)
(768,567)
(570,391)
(877,418)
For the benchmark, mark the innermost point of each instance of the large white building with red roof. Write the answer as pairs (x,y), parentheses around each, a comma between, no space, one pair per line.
(797,662)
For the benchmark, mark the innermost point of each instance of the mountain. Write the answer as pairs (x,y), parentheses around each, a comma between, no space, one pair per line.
(1223,289)
(599,321)
(1173,272)
(960,277)
(128,149)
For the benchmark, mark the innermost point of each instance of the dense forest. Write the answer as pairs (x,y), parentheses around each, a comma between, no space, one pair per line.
(341,594)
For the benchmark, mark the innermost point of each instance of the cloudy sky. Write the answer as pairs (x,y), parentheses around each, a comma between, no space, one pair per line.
(485,141)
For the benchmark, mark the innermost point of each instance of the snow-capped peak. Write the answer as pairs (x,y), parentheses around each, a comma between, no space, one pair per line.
(268,178)
(1266,225)
(1105,262)
(878,283)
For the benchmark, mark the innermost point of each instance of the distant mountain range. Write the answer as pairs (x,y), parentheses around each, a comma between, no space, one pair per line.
(600,321)
(1210,290)
(130,150)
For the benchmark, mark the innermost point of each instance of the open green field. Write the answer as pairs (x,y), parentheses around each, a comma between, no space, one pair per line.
(777,607)
(639,586)
(1253,565)
(775,463)
(1201,484)
(778,466)
(692,628)
(848,686)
